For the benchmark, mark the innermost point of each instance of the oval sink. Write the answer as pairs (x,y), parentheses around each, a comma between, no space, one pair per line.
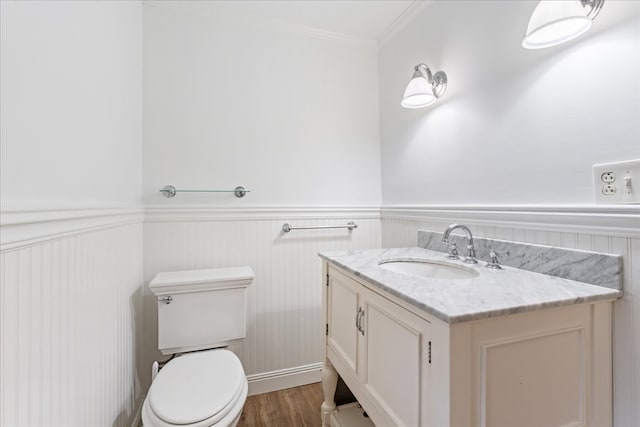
(429,270)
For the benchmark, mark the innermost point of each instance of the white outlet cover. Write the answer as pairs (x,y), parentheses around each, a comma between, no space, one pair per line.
(626,182)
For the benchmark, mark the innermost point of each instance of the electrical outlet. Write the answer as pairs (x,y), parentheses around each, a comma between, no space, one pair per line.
(615,183)
(608,177)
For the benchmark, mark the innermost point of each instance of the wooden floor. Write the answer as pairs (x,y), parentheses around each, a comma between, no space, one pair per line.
(293,407)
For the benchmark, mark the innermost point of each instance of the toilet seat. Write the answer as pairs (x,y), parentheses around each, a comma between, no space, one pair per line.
(198,389)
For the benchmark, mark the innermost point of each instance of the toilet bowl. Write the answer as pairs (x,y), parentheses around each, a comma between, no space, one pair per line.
(199,312)
(206,388)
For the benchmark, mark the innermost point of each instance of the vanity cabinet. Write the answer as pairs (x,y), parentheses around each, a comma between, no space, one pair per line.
(550,367)
(380,346)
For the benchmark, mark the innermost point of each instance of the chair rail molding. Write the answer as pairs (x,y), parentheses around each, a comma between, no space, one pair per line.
(168,213)
(27,225)
(610,220)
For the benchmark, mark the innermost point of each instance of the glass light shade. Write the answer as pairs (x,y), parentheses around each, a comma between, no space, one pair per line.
(554,22)
(418,94)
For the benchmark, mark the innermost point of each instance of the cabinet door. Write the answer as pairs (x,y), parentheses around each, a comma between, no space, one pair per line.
(534,369)
(395,347)
(341,316)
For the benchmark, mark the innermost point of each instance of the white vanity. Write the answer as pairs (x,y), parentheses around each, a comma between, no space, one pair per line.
(485,347)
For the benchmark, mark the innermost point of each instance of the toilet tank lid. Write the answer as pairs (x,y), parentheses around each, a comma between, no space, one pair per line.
(201,280)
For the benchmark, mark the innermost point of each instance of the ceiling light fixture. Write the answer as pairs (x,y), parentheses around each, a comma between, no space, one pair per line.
(554,22)
(424,88)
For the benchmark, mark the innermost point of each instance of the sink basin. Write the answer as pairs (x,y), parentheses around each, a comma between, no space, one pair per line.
(429,269)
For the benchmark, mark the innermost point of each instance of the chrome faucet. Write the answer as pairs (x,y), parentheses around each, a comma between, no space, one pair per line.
(471,251)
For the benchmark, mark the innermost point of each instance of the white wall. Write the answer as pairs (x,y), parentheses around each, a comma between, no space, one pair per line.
(71,102)
(292,117)
(288,114)
(71,330)
(515,126)
(518,127)
(283,346)
(71,232)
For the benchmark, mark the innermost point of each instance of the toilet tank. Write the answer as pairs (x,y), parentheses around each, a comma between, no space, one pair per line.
(201,309)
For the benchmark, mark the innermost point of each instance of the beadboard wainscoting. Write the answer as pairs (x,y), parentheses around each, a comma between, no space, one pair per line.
(604,229)
(70,318)
(283,347)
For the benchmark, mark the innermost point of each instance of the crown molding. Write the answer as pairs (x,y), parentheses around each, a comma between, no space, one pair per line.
(268,24)
(402,21)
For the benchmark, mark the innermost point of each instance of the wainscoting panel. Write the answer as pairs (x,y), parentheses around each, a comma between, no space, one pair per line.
(70,329)
(284,326)
(597,231)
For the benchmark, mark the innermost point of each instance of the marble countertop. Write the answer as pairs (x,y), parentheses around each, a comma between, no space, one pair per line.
(492,293)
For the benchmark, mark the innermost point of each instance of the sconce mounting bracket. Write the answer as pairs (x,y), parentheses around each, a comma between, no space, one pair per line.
(593,7)
(439,83)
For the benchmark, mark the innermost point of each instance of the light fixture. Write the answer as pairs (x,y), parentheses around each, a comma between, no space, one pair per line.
(554,22)
(424,88)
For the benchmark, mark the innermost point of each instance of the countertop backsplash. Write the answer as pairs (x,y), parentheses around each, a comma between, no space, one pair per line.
(595,268)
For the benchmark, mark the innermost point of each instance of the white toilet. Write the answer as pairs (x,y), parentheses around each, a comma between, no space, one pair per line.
(199,311)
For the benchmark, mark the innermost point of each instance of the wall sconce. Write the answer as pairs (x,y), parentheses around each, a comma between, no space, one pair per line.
(554,22)
(424,88)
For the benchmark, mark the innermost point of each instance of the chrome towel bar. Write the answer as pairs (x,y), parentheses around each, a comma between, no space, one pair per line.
(350,225)
(170,191)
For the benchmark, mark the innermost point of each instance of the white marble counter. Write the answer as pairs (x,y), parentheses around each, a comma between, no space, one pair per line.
(492,293)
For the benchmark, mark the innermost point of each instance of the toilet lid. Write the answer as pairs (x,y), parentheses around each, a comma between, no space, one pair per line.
(196,386)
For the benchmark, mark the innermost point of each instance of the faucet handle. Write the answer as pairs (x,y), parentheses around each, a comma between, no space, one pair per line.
(471,255)
(493,261)
(453,251)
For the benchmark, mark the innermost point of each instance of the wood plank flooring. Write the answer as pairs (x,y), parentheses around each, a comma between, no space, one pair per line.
(292,407)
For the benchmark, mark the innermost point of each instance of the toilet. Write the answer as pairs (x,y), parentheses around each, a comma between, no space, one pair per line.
(199,313)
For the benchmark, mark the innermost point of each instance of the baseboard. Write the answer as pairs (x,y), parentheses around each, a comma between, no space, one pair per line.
(266,382)
(284,378)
